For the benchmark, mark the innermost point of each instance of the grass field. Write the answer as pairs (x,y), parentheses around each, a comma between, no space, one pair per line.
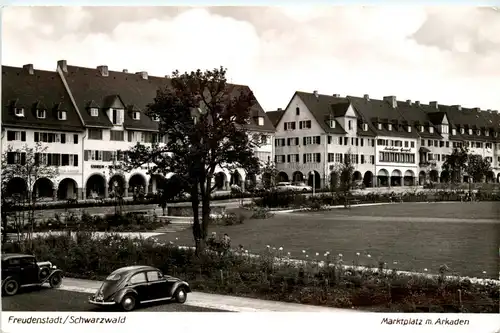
(407,236)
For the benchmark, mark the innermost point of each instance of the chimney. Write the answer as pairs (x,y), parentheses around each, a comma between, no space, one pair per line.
(103,70)
(392,100)
(433,104)
(408,101)
(476,109)
(417,103)
(125,71)
(336,95)
(489,110)
(29,69)
(494,111)
(315,92)
(144,75)
(63,65)
(366,97)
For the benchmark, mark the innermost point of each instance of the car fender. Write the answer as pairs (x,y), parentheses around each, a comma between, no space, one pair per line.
(180,284)
(8,278)
(119,295)
(52,273)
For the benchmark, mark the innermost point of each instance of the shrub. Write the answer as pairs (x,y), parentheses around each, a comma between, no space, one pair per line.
(261,213)
(228,219)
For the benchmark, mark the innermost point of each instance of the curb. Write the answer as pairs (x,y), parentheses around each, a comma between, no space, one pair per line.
(329,207)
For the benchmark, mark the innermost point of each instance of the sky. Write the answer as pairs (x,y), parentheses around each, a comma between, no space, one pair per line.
(446,54)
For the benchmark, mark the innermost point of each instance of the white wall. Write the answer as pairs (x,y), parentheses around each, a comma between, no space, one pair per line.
(392,166)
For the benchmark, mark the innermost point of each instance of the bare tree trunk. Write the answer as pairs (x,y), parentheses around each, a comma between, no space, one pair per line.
(197,234)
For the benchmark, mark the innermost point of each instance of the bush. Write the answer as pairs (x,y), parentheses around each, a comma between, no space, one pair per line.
(261,213)
(228,219)
(281,199)
(264,277)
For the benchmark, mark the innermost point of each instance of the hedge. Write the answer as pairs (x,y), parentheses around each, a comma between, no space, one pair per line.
(229,273)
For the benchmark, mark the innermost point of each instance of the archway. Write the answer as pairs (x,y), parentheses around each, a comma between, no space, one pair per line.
(43,188)
(434,176)
(334,180)
(298,176)
(116,185)
(445,176)
(314,176)
(156,182)
(282,177)
(356,176)
(498,178)
(490,177)
(136,183)
(409,178)
(465,179)
(236,178)
(368,179)
(17,187)
(67,189)
(95,186)
(396,177)
(421,177)
(383,178)
(250,181)
(220,181)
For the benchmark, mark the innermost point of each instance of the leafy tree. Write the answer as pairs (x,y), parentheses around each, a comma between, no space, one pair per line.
(170,189)
(27,164)
(203,118)
(345,170)
(456,163)
(477,167)
(269,175)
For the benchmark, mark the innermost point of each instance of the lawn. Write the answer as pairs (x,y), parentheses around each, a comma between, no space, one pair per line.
(424,236)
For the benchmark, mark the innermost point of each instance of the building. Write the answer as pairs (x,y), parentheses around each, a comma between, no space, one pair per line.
(104,112)
(392,143)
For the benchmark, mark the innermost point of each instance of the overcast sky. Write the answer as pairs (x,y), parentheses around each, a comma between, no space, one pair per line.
(445,54)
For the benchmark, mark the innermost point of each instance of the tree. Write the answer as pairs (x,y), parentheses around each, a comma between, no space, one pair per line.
(456,163)
(30,165)
(269,175)
(203,118)
(477,167)
(345,170)
(170,189)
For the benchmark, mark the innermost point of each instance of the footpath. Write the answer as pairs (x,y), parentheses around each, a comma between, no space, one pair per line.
(213,301)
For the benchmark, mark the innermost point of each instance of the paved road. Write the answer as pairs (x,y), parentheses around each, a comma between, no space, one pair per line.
(60,300)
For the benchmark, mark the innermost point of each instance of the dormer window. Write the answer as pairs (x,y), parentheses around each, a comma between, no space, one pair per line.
(40,114)
(379,126)
(260,121)
(136,115)
(454,131)
(61,115)
(94,112)
(470,131)
(478,132)
(331,122)
(495,134)
(421,128)
(462,130)
(431,129)
(409,129)
(487,133)
(365,127)
(389,127)
(19,112)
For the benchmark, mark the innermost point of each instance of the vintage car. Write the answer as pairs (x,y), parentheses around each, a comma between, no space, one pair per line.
(22,270)
(129,286)
(301,186)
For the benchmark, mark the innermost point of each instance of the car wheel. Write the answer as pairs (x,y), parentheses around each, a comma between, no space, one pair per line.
(180,295)
(128,302)
(44,272)
(304,190)
(10,287)
(55,280)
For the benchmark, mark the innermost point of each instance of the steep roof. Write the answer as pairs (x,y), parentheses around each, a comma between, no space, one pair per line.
(39,89)
(322,107)
(415,116)
(256,111)
(275,116)
(468,119)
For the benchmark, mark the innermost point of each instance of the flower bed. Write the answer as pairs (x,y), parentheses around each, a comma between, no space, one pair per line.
(330,284)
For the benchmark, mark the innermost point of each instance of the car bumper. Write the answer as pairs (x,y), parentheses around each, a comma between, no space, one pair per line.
(101,303)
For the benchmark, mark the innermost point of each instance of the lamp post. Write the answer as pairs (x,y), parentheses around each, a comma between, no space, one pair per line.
(313,181)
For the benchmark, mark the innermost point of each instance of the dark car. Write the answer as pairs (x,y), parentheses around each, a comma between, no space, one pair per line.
(22,270)
(129,286)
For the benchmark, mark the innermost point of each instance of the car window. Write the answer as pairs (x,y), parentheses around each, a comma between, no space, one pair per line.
(154,276)
(27,261)
(138,278)
(113,277)
(15,261)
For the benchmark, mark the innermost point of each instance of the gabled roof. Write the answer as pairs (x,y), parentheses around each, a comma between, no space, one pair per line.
(275,116)
(320,107)
(468,119)
(415,116)
(43,90)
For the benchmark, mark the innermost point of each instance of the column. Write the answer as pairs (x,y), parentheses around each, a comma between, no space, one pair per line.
(125,191)
(54,194)
(81,193)
(106,190)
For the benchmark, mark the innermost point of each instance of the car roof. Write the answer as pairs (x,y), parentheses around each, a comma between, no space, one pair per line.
(7,256)
(133,269)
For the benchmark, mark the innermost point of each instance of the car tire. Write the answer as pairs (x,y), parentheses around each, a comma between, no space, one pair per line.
(180,295)
(55,280)
(43,273)
(10,287)
(305,190)
(128,302)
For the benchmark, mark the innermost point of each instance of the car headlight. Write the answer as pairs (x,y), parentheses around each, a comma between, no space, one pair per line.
(54,267)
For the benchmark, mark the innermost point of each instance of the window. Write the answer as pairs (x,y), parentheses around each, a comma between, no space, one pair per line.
(65,159)
(308,158)
(372,159)
(305,124)
(289,126)
(116,116)
(63,138)
(279,142)
(136,115)
(297,111)
(406,144)
(95,134)
(75,139)
(331,122)
(412,144)
(16,158)
(279,158)
(409,129)
(453,131)
(48,137)
(444,129)
(61,115)
(447,144)
(462,130)
(40,114)
(260,121)
(487,133)
(293,158)
(29,261)
(264,139)
(19,112)
(138,278)
(94,112)
(422,142)
(362,159)
(154,276)
(379,126)
(316,140)
(470,131)
(389,127)
(421,128)
(429,143)
(307,140)
(365,127)
(431,129)
(349,124)
(16,136)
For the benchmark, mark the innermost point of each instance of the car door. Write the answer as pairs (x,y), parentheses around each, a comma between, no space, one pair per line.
(158,287)
(14,269)
(29,271)
(139,283)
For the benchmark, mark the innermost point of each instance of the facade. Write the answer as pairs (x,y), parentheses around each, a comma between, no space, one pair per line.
(392,143)
(84,117)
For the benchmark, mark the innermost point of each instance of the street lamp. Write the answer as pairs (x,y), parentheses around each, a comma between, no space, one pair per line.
(313,181)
